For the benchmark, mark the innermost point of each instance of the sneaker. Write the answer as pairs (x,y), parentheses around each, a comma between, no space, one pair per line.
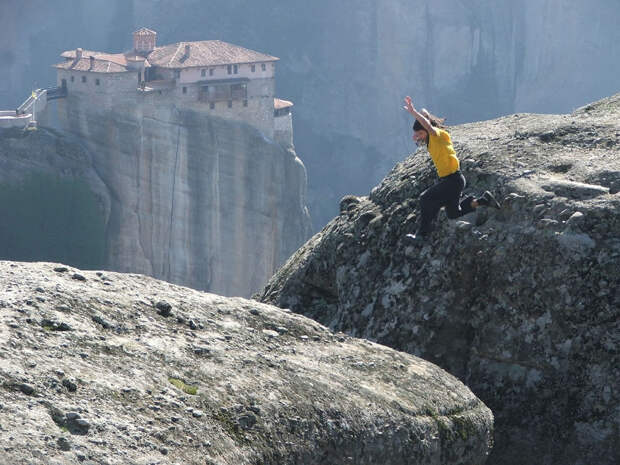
(488,200)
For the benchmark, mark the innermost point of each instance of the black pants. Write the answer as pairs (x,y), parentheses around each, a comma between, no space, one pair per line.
(446,193)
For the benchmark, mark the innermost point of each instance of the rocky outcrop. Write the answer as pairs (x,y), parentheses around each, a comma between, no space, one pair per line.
(521,303)
(176,194)
(123,369)
(197,200)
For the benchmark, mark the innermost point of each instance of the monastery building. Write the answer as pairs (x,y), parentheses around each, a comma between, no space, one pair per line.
(213,76)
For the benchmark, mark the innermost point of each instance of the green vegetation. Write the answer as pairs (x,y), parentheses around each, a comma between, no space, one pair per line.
(186,388)
(50,218)
(465,427)
(230,426)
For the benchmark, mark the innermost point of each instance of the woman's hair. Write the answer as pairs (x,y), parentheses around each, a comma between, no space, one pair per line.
(434,120)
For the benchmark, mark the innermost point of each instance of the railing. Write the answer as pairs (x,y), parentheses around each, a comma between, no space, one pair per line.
(25,114)
(54,93)
(27,106)
(222,94)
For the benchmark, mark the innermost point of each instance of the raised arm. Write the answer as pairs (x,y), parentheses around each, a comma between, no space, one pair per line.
(421,117)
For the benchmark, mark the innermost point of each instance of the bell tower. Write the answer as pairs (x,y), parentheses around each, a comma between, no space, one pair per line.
(144,41)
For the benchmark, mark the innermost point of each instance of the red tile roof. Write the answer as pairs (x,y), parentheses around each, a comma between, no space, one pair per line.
(118,58)
(278,104)
(205,53)
(98,66)
(104,62)
(144,31)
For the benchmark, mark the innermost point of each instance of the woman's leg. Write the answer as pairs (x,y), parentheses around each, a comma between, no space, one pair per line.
(456,210)
(431,201)
(455,207)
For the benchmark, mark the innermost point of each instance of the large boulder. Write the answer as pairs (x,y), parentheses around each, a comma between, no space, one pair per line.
(521,303)
(106,368)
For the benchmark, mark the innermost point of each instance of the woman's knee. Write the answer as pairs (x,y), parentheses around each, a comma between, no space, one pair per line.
(426,203)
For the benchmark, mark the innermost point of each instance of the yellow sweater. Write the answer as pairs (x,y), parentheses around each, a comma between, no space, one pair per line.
(442,153)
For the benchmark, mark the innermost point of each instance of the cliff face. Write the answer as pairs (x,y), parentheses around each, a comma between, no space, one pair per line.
(53,204)
(110,368)
(521,303)
(195,199)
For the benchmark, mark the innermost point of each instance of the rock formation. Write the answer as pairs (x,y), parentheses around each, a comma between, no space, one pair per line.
(522,303)
(196,200)
(123,369)
(176,194)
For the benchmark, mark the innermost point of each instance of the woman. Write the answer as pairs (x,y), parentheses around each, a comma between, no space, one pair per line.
(447,192)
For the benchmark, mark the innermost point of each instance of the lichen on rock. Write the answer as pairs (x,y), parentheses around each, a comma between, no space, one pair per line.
(216,380)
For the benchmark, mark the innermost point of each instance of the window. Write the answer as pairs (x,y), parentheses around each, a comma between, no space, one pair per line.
(212,105)
(263,67)
(185,90)
(245,103)
(236,69)
(203,94)
(83,78)
(72,78)
(230,104)
(229,69)
(253,68)
(97,82)
(211,72)
(238,92)
(177,73)
(203,72)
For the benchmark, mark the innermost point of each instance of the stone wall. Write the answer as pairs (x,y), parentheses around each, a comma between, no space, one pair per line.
(9,119)
(283,129)
(258,112)
(113,88)
(221,72)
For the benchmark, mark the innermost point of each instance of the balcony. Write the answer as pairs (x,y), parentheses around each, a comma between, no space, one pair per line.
(223,91)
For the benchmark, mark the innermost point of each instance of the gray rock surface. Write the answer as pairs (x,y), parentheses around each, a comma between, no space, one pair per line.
(521,303)
(247,384)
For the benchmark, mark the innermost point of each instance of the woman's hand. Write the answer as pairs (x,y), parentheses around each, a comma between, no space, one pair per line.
(409,105)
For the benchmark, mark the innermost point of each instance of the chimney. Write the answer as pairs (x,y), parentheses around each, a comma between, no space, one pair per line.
(92,62)
(187,50)
(78,54)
